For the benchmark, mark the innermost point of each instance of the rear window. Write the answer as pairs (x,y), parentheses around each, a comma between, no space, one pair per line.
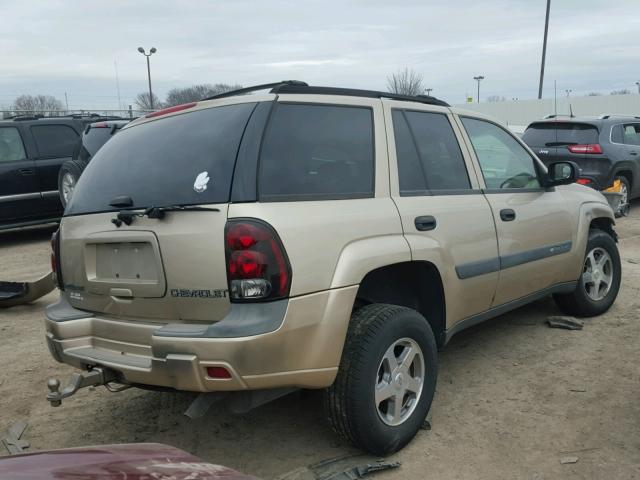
(54,140)
(567,133)
(316,152)
(186,159)
(92,141)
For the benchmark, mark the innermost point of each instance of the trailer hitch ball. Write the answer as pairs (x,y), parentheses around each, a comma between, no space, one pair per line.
(54,397)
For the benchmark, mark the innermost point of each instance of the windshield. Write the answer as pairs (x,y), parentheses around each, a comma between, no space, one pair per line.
(185,159)
(550,134)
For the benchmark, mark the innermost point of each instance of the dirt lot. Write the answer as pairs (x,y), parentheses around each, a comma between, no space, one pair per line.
(514,396)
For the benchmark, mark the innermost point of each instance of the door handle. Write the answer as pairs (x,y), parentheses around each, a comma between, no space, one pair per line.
(425,223)
(507,215)
(27,171)
(633,153)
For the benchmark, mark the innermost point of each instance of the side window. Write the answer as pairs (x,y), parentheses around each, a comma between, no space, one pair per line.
(54,140)
(632,134)
(504,162)
(617,134)
(11,147)
(429,157)
(314,152)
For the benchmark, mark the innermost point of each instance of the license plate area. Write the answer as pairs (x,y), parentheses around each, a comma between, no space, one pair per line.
(130,261)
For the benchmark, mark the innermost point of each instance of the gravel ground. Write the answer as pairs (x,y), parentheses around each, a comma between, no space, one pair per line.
(513,397)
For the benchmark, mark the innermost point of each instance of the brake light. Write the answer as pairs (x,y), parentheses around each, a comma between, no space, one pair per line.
(166,111)
(257,264)
(583,181)
(218,372)
(591,149)
(55,259)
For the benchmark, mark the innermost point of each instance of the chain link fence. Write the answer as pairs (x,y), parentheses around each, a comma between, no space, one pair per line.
(129,113)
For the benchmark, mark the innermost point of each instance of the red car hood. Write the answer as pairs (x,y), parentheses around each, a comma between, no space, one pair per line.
(140,461)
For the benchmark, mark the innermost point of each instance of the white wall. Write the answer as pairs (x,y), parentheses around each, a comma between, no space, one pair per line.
(523,112)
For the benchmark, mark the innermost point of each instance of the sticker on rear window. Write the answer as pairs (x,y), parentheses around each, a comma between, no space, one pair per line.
(200,185)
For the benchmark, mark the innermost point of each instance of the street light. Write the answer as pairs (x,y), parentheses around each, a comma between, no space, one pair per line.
(568,92)
(429,90)
(638,83)
(151,52)
(478,79)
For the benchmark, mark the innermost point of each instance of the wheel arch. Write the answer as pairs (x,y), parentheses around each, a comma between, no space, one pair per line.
(413,284)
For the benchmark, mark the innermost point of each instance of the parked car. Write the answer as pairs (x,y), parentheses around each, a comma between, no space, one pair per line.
(93,137)
(32,148)
(137,461)
(315,237)
(606,148)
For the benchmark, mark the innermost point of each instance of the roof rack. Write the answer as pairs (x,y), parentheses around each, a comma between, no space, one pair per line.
(299,87)
(609,115)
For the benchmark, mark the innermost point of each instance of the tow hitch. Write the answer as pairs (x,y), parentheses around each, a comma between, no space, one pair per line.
(92,378)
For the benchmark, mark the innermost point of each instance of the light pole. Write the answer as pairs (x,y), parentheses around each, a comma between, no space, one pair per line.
(544,49)
(638,84)
(478,79)
(151,52)
(429,90)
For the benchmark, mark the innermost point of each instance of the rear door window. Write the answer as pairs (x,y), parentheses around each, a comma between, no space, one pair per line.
(632,134)
(185,159)
(316,152)
(429,157)
(549,134)
(11,147)
(54,141)
(95,138)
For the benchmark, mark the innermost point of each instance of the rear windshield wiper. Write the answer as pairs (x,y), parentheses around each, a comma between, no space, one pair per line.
(559,144)
(127,216)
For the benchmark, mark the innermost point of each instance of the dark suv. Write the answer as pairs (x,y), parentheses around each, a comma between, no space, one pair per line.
(32,149)
(607,148)
(95,135)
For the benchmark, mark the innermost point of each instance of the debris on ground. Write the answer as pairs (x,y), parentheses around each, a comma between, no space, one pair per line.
(428,422)
(345,467)
(568,460)
(19,293)
(578,390)
(568,323)
(12,439)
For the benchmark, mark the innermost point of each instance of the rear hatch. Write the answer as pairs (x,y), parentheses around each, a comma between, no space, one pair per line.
(551,140)
(120,258)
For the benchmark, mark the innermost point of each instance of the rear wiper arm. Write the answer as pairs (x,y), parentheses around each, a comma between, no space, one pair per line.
(127,216)
(559,144)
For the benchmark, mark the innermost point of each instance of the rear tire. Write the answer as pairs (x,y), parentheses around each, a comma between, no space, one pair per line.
(68,176)
(599,282)
(361,404)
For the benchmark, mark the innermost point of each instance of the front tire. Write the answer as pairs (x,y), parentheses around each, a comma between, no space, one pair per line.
(386,380)
(599,283)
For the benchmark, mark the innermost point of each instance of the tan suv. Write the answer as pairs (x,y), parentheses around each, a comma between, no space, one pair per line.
(315,237)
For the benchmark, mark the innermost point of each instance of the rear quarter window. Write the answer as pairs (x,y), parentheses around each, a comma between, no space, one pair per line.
(316,152)
(54,140)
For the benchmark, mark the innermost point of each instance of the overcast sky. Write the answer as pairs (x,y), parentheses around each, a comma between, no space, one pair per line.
(54,46)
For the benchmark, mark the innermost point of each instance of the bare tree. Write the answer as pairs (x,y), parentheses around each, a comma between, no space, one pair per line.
(405,82)
(623,91)
(177,96)
(36,104)
(496,98)
(594,94)
(142,101)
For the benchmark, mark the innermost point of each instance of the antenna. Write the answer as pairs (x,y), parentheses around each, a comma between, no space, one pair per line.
(571,115)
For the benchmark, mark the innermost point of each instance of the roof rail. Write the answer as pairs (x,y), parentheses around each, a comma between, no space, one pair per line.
(609,115)
(296,86)
(287,88)
(264,86)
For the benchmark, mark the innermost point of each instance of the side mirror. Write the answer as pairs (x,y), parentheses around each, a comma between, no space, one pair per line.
(562,173)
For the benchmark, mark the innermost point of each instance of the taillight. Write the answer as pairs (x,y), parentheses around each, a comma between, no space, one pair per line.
(257,264)
(55,259)
(592,148)
(583,181)
(167,111)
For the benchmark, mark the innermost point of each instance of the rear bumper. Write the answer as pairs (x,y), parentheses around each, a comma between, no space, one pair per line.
(298,344)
